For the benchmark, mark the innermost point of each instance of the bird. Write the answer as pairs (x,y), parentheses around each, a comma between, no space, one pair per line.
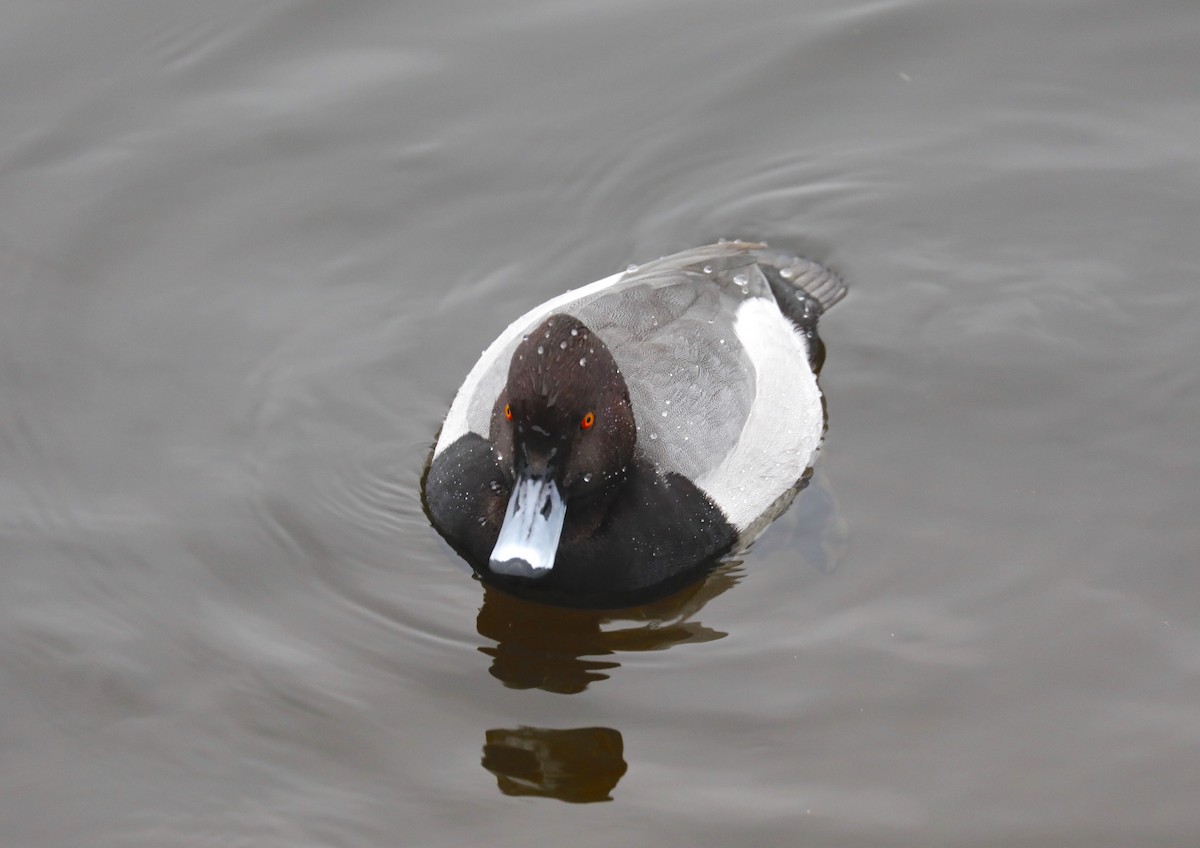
(616,441)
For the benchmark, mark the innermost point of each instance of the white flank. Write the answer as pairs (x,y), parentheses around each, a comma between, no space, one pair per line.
(785,425)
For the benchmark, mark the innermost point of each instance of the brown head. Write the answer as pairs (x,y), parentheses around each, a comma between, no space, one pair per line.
(564,420)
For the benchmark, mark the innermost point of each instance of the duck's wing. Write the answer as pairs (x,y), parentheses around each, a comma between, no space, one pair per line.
(719,349)
(670,326)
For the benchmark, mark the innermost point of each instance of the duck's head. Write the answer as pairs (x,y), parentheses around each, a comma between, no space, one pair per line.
(564,432)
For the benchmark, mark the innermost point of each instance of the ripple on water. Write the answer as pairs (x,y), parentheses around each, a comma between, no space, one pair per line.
(354,516)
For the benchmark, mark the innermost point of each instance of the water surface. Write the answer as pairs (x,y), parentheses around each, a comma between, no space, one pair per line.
(248,251)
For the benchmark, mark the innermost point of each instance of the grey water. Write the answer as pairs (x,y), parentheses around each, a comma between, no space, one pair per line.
(249,250)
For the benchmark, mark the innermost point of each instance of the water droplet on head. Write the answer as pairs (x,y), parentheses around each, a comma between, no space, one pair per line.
(574,331)
(707,269)
(563,344)
(741,279)
(664,413)
(583,360)
(629,269)
(787,273)
(653,437)
(587,478)
(542,350)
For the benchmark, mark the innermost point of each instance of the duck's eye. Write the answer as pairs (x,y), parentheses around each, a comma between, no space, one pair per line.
(507,412)
(587,422)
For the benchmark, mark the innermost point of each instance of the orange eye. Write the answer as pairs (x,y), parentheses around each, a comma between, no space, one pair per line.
(587,422)
(507,412)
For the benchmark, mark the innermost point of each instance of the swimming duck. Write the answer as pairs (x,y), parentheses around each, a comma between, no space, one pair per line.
(614,442)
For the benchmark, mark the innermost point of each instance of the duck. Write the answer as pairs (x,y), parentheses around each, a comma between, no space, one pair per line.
(618,441)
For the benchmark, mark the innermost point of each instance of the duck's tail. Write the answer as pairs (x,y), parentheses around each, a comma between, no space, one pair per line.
(798,281)
(804,291)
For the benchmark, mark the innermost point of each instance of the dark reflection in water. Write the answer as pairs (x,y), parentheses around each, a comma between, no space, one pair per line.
(552,648)
(579,765)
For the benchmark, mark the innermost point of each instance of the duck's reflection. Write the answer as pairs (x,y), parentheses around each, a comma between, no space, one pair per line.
(579,765)
(558,649)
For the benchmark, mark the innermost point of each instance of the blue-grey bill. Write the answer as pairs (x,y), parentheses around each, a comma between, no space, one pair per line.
(532,526)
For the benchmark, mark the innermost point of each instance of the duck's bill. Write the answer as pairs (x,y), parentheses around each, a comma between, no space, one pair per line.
(532,526)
